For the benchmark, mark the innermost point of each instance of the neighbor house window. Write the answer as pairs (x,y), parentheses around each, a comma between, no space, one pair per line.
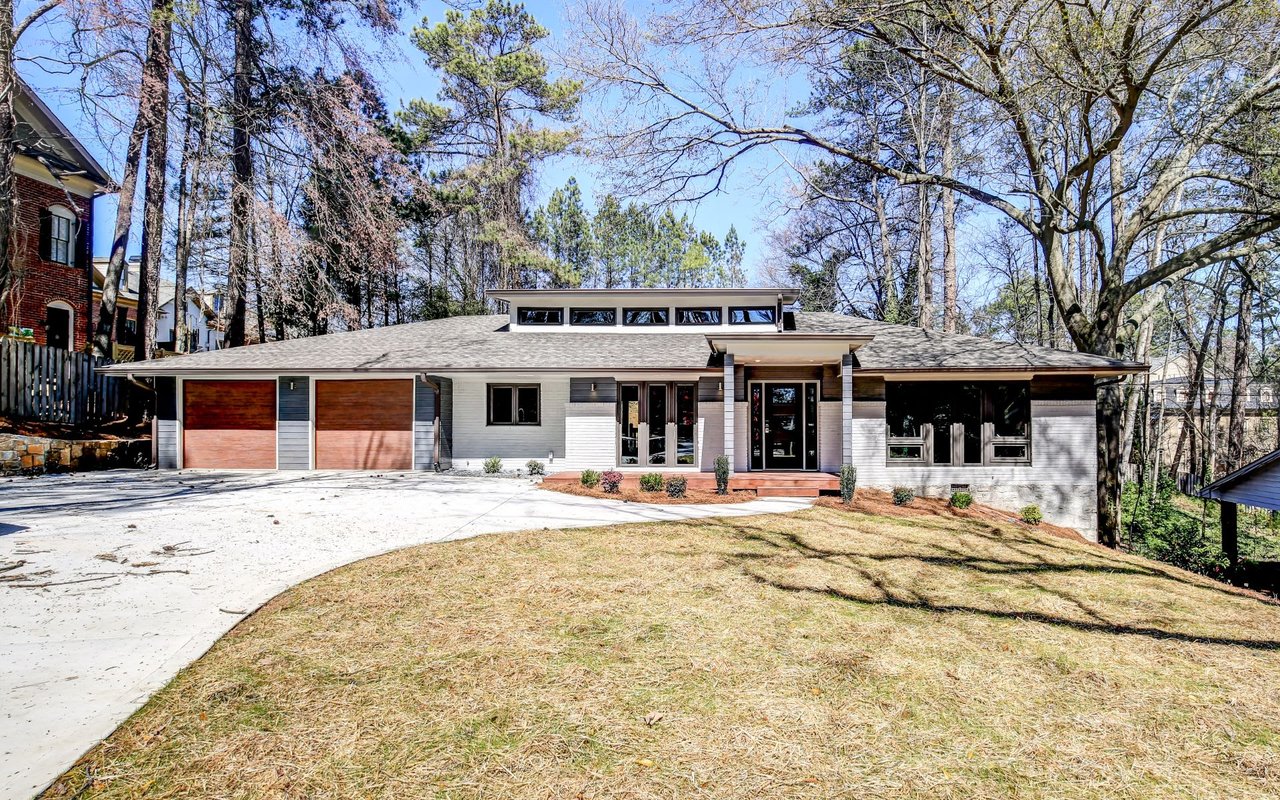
(514,405)
(593,316)
(762,315)
(540,316)
(645,316)
(958,423)
(697,316)
(56,227)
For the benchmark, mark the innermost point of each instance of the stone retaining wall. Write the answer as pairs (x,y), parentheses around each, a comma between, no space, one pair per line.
(34,454)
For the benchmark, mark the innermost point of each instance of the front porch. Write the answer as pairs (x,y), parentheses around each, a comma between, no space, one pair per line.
(764,484)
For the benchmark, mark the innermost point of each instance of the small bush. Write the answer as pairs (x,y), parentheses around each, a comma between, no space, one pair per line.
(1031,514)
(536,467)
(676,486)
(611,481)
(960,500)
(848,482)
(589,478)
(492,465)
(903,495)
(722,474)
(651,482)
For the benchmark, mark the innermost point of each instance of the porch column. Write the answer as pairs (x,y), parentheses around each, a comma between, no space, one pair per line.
(846,408)
(728,409)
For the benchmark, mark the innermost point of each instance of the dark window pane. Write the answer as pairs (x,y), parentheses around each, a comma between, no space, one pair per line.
(905,451)
(1011,406)
(968,398)
(629,400)
(686,418)
(763,315)
(904,409)
(1014,451)
(500,405)
(697,316)
(645,316)
(592,316)
(540,316)
(527,405)
(657,419)
(757,426)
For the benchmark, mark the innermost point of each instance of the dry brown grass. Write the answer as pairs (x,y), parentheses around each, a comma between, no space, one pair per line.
(633,495)
(818,654)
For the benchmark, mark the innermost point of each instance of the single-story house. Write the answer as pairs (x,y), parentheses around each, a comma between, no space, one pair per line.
(1256,484)
(652,380)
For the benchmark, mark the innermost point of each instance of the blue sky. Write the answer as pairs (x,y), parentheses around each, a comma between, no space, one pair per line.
(747,204)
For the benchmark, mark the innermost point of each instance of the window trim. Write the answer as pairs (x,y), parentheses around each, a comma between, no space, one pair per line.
(717,310)
(666,312)
(515,404)
(612,323)
(773,311)
(987,432)
(58,212)
(557,309)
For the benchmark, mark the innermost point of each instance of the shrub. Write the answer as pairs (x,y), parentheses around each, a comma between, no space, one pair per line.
(651,482)
(611,481)
(848,482)
(722,474)
(903,495)
(536,467)
(676,486)
(590,478)
(960,500)
(1031,514)
(492,465)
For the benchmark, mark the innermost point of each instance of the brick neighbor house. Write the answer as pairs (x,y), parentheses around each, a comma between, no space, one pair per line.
(56,183)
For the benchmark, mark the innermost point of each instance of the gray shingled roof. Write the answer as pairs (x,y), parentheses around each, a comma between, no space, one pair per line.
(904,347)
(483,342)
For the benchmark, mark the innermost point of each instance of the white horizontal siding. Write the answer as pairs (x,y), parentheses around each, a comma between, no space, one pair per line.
(590,436)
(1062,478)
(1261,490)
(741,437)
(830,429)
(710,434)
(474,440)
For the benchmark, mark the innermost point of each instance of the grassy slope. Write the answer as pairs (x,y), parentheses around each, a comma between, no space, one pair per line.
(820,654)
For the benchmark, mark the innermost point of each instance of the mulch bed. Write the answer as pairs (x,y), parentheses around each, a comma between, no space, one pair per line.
(875,501)
(700,496)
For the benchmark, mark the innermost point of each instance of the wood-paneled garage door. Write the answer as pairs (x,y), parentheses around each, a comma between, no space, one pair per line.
(229,424)
(364,424)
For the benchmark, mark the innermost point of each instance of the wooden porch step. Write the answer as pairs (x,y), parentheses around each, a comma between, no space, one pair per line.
(787,491)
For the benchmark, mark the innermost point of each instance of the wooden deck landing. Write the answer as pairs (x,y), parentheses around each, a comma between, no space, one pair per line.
(764,484)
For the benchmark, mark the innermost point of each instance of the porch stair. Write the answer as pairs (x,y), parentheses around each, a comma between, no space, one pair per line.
(764,484)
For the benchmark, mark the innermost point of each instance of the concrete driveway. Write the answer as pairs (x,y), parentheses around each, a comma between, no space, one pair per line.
(111,582)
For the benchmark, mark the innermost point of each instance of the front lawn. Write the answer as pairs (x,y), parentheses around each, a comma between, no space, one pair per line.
(819,654)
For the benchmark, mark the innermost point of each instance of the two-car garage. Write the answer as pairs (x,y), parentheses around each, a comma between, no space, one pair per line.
(249,424)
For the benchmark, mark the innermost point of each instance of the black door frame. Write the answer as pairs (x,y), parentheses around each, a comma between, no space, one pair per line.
(804,384)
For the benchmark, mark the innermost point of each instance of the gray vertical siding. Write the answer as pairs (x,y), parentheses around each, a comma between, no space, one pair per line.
(709,389)
(293,423)
(424,425)
(166,423)
(580,390)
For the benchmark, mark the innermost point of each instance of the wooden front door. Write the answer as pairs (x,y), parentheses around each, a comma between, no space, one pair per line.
(364,424)
(228,424)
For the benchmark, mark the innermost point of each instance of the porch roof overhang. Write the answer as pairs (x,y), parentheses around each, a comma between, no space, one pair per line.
(792,347)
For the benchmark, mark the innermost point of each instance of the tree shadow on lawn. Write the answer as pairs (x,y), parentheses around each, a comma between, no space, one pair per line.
(999,572)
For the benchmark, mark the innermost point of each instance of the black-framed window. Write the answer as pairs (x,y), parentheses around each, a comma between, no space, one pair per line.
(753,315)
(515,404)
(646,316)
(592,316)
(540,316)
(697,316)
(958,423)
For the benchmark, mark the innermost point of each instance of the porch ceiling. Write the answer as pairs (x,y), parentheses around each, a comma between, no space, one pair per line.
(786,348)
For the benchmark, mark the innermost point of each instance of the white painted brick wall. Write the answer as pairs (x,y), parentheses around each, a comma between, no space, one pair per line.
(1061,480)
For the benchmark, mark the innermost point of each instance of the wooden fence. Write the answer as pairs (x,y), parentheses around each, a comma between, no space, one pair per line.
(52,385)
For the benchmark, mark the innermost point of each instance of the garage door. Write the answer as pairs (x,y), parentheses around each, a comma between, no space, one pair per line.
(364,424)
(229,424)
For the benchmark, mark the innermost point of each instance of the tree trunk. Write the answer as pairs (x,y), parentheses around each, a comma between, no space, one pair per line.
(155,85)
(8,147)
(950,296)
(188,179)
(1240,376)
(241,173)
